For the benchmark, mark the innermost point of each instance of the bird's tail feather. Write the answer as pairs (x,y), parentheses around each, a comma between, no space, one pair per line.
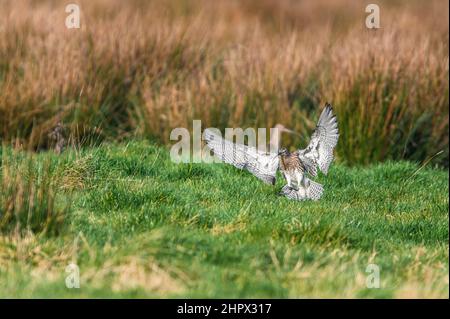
(308,190)
(313,190)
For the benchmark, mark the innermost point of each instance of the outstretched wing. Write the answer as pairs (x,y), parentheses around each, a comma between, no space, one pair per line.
(262,165)
(308,189)
(319,152)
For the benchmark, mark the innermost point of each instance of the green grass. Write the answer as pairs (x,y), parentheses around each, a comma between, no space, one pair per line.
(142,226)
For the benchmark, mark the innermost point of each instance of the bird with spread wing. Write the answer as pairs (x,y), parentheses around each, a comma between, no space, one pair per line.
(296,167)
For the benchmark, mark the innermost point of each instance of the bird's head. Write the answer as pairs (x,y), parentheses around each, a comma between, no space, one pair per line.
(283,152)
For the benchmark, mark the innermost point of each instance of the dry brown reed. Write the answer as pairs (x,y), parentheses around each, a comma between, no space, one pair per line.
(143,68)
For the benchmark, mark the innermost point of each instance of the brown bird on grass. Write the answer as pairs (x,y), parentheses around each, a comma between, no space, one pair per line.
(295,166)
(57,137)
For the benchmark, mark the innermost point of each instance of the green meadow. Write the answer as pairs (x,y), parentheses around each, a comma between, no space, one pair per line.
(138,225)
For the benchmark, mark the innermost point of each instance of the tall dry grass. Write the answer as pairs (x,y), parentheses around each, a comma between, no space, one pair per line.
(143,68)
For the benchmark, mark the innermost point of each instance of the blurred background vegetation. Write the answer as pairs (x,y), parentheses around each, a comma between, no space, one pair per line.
(141,68)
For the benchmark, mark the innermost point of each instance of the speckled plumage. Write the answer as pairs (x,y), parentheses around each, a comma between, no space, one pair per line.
(57,138)
(294,166)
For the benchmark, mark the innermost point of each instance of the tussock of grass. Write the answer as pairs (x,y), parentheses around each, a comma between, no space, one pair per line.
(142,226)
(30,195)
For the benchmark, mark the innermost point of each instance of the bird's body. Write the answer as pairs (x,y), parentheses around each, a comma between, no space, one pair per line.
(290,162)
(291,167)
(57,137)
(295,166)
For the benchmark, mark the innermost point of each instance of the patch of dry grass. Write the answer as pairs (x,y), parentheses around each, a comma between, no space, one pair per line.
(143,68)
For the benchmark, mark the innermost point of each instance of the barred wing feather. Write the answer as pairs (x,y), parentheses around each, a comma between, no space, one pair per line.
(307,190)
(319,152)
(262,165)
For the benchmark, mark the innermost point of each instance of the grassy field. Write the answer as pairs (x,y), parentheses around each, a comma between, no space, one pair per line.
(138,225)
